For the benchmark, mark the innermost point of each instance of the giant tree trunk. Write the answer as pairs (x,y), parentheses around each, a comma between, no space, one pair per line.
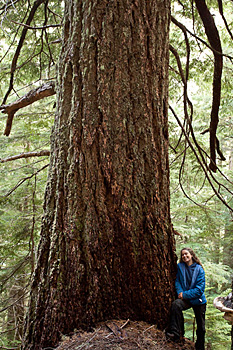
(107,247)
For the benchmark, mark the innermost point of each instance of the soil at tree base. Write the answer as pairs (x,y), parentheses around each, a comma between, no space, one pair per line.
(122,335)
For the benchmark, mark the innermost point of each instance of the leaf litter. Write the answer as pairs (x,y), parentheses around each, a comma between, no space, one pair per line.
(122,335)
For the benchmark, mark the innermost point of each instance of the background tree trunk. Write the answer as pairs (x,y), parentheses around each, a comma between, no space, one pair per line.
(107,247)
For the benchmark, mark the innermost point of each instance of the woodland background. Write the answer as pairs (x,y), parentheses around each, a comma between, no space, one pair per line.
(200,218)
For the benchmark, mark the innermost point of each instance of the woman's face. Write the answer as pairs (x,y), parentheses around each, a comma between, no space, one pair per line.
(186,257)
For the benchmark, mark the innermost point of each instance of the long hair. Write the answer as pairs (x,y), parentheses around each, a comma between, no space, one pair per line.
(195,258)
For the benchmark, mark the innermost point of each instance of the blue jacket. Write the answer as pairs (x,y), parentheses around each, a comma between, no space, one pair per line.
(195,293)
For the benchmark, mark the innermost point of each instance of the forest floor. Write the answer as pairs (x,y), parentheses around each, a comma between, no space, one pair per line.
(122,335)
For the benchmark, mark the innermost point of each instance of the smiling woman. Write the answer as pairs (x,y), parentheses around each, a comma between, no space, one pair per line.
(186,257)
(190,286)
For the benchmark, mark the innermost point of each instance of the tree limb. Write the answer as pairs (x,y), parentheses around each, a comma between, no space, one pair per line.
(14,270)
(8,5)
(218,149)
(26,155)
(220,6)
(184,30)
(35,6)
(184,77)
(37,28)
(25,179)
(214,40)
(203,41)
(202,163)
(217,144)
(16,301)
(175,53)
(205,131)
(32,96)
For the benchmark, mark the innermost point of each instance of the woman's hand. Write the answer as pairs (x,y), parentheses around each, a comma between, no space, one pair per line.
(180,296)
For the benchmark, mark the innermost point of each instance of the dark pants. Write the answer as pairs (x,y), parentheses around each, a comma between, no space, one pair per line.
(177,321)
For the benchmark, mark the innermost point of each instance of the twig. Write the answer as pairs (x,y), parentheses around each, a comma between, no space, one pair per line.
(201,162)
(148,329)
(25,179)
(205,43)
(7,331)
(26,155)
(15,302)
(46,34)
(121,327)
(220,6)
(41,27)
(22,167)
(32,238)
(34,8)
(125,323)
(87,341)
(18,266)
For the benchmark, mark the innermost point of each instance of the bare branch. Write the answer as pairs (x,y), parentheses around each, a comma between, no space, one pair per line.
(218,149)
(45,32)
(25,179)
(16,301)
(220,6)
(201,161)
(216,46)
(16,268)
(203,41)
(32,96)
(32,238)
(217,145)
(54,14)
(214,40)
(184,77)
(175,53)
(35,6)
(179,155)
(8,5)
(184,30)
(26,155)
(181,3)
(205,131)
(35,28)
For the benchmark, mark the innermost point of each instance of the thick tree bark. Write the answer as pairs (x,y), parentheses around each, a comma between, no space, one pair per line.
(107,246)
